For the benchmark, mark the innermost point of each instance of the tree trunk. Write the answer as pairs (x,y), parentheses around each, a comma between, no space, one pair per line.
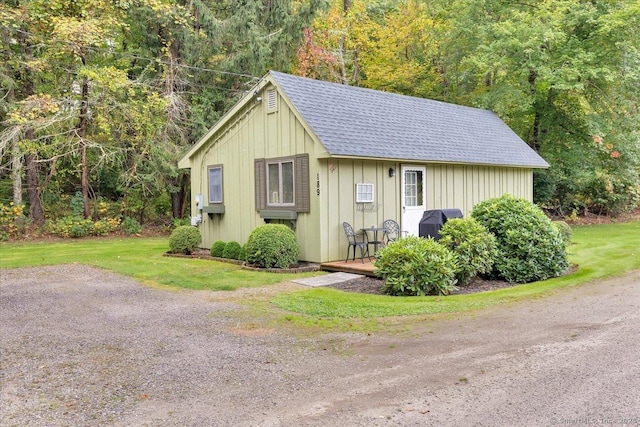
(176,200)
(16,172)
(534,141)
(36,213)
(179,197)
(83,126)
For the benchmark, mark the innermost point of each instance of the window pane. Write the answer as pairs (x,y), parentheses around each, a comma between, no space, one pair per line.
(215,185)
(287,182)
(410,188)
(273,184)
(364,193)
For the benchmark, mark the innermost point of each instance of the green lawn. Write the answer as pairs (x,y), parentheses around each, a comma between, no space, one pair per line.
(140,258)
(600,251)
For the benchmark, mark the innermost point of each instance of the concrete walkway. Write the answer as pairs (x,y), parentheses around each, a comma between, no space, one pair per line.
(327,279)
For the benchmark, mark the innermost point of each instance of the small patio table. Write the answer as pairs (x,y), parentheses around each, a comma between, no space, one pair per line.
(375,229)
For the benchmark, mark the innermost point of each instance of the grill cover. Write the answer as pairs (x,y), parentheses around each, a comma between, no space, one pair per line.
(432,221)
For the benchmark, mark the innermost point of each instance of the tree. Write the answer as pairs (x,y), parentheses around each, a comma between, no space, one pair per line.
(552,70)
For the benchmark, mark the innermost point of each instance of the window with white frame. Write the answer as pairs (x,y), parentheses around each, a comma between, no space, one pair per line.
(280,183)
(364,193)
(215,184)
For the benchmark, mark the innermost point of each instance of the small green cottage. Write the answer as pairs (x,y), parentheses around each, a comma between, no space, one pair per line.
(312,154)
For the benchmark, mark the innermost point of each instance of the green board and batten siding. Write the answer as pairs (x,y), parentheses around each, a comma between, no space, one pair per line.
(338,200)
(447,186)
(252,134)
(464,186)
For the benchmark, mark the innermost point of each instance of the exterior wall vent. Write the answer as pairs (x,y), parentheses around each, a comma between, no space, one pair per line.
(272,100)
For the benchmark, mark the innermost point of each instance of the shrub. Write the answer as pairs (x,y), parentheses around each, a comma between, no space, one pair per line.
(530,248)
(130,226)
(475,247)
(565,231)
(217,249)
(184,240)
(74,226)
(177,222)
(417,266)
(242,255)
(12,220)
(272,245)
(232,250)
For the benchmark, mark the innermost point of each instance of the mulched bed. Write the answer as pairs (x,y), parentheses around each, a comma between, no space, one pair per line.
(372,285)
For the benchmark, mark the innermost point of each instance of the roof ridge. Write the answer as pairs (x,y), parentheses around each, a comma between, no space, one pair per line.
(378,92)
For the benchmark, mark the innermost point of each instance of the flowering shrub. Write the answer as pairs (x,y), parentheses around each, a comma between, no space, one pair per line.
(74,226)
(12,220)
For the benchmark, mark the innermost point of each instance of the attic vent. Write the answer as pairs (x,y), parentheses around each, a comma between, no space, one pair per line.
(272,98)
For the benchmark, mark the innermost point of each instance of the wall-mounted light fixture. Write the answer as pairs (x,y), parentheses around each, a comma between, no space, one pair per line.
(392,172)
(257,97)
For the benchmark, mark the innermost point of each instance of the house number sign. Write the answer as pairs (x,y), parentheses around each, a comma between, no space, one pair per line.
(318,184)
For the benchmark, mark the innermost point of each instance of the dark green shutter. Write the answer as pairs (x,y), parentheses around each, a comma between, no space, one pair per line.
(303,202)
(260,184)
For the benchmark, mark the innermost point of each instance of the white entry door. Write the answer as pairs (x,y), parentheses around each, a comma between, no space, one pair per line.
(413,198)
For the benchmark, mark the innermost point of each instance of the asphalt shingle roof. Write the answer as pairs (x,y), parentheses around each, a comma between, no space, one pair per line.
(358,122)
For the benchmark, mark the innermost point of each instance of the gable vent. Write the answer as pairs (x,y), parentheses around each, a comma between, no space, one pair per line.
(272,98)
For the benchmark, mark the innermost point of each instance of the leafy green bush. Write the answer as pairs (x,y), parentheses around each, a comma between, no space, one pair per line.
(530,248)
(232,250)
(417,266)
(565,231)
(177,222)
(242,255)
(130,226)
(272,245)
(217,249)
(475,247)
(184,240)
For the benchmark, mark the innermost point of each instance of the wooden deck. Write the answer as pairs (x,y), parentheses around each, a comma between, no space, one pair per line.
(351,266)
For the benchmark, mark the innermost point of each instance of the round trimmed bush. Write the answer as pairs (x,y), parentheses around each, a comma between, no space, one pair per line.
(272,245)
(475,247)
(242,255)
(416,266)
(530,248)
(217,249)
(232,250)
(184,240)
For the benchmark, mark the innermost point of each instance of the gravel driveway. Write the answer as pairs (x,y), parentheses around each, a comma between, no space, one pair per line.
(81,346)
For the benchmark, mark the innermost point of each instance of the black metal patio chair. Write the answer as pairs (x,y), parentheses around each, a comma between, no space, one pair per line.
(356,241)
(391,230)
